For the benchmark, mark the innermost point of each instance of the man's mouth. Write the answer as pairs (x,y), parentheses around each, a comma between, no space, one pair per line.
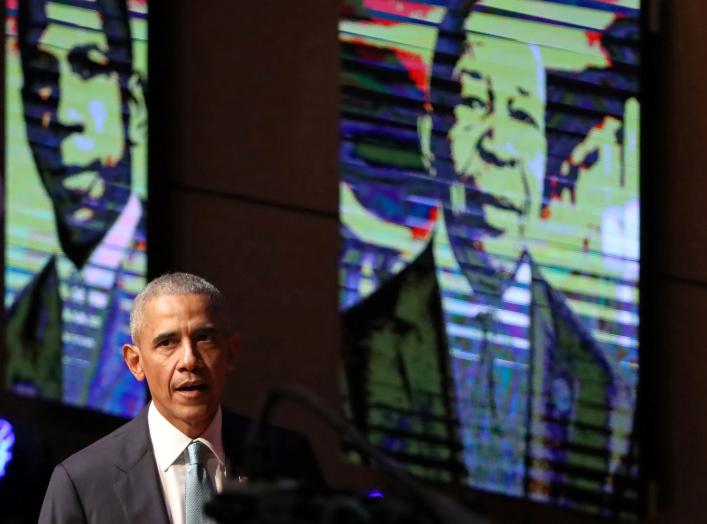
(192,386)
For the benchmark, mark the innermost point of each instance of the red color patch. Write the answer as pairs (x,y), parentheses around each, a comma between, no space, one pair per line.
(396,7)
(421,233)
(416,68)
(593,38)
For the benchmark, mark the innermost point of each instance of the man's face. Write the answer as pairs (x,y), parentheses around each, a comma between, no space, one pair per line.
(497,144)
(184,352)
(75,119)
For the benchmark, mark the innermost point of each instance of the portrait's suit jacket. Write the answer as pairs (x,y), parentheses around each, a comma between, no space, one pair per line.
(380,355)
(115,480)
(35,344)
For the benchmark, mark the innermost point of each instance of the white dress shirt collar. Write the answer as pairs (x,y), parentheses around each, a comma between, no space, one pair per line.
(169,443)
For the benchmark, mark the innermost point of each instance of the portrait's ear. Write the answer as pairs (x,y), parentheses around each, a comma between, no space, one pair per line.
(133,359)
(424,133)
(587,152)
(137,131)
(234,346)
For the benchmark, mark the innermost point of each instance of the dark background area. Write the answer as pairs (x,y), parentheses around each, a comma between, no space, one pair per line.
(244,166)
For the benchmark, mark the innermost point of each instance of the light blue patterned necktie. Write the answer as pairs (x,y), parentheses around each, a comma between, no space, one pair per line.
(198,487)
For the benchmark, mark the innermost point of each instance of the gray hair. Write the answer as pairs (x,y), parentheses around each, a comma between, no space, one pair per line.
(174,284)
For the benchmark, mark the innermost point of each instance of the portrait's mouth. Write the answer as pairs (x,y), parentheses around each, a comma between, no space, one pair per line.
(500,202)
(58,170)
(468,191)
(488,205)
(485,212)
(84,190)
(84,184)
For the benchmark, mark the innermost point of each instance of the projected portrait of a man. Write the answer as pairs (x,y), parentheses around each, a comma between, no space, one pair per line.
(500,365)
(84,113)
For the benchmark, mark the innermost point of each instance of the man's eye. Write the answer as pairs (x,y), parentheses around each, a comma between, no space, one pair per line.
(206,338)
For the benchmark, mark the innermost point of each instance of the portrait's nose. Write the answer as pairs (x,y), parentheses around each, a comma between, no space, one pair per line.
(496,145)
(69,115)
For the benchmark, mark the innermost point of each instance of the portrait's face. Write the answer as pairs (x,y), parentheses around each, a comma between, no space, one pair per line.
(184,351)
(76,117)
(497,145)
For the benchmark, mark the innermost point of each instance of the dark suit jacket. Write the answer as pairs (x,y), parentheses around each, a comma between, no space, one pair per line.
(115,480)
(391,379)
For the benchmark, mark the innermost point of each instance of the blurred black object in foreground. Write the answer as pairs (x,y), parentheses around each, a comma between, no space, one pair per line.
(262,499)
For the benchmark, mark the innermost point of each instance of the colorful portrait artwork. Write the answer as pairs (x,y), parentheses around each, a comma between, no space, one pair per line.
(7,442)
(75,201)
(489,269)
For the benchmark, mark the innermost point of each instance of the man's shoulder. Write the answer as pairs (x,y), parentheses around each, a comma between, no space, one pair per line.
(287,453)
(238,427)
(122,447)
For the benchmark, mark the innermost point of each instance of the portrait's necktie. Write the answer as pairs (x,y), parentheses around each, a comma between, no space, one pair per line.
(198,487)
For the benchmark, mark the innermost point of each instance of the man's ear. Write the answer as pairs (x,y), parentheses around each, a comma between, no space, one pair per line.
(137,131)
(424,134)
(234,346)
(133,359)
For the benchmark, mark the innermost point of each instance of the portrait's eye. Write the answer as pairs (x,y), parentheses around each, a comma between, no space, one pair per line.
(474,102)
(41,91)
(42,77)
(523,116)
(44,92)
(97,56)
(89,62)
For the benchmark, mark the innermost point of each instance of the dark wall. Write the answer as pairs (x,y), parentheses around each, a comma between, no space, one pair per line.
(249,103)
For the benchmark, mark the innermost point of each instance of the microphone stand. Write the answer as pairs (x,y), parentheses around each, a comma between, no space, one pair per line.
(285,501)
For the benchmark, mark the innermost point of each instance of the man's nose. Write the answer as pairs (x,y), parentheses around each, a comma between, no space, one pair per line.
(190,358)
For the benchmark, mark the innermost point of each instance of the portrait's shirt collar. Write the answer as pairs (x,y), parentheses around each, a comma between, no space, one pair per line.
(101,268)
(451,278)
(169,443)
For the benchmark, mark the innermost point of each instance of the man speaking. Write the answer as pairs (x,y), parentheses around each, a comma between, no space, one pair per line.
(164,464)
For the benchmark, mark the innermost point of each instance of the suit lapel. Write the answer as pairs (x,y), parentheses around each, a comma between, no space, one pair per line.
(33,341)
(137,484)
(234,430)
